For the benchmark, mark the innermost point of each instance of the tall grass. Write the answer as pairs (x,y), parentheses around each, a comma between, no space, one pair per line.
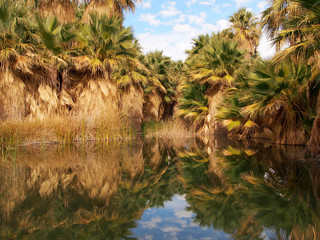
(168,128)
(64,129)
(175,131)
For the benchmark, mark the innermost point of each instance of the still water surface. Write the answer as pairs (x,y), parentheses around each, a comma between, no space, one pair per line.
(154,189)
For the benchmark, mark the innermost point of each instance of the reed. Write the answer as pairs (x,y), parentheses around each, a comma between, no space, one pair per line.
(168,128)
(64,130)
(172,131)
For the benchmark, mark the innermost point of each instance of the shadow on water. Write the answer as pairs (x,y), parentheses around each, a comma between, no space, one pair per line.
(248,190)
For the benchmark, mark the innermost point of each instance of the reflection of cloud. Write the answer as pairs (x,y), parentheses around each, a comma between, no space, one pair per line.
(152,223)
(183,214)
(172,230)
(176,204)
(207,238)
(191,238)
(148,237)
(193,224)
(181,197)
(183,223)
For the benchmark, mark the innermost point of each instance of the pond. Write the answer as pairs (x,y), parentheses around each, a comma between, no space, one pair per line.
(159,189)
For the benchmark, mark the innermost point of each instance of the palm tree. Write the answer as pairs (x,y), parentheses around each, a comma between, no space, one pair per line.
(130,77)
(193,105)
(275,18)
(18,40)
(247,30)
(104,45)
(282,95)
(56,48)
(217,63)
(301,31)
(160,93)
(198,44)
(214,65)
(297,22)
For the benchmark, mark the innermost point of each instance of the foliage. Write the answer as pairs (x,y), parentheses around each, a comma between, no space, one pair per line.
(283,94)
(247,30)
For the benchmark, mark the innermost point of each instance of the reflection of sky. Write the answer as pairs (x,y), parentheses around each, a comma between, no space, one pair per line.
(173,222)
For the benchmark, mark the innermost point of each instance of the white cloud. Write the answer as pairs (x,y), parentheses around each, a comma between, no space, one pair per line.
(225,5)
(207,28)
(223,24)
(175,43)
(216,8)
(262,5)
(189,3)
(181,19)
(170,9)
(183,28)
(242,3)
(145,4)
(198,20)
(206,3)
(265,49)
(250,10)
(150,18)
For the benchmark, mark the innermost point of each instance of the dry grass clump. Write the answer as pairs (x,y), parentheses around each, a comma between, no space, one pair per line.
(176,131)
(171,128)
(64,129)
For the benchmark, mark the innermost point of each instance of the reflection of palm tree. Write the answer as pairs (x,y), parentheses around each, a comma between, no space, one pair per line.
(249,229)
(253,193)
(98,198)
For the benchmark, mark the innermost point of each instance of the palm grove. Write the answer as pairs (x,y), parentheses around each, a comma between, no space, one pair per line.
(76,60)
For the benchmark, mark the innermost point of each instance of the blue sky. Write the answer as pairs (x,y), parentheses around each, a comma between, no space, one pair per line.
(171,25)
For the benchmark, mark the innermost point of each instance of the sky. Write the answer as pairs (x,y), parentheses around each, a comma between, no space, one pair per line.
(170,25)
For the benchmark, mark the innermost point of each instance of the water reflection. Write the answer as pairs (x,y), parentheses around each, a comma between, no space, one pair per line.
(156,189)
